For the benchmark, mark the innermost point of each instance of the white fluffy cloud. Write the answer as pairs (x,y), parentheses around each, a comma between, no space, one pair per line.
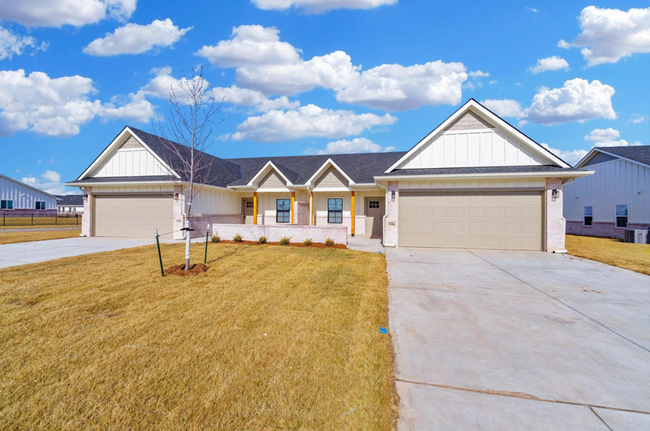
(345,146)
(317,6)
(56,13)
(577,100)
(504,107)
(161,85)
(49,182)
(611,34)
(608,138)
(136,39)
(571,156)
(251,45)
(479,74)
(307,121)
(56,106)
(12,44)
(636,119)
(135,108)
(393,87)
(270,66)
(549,63)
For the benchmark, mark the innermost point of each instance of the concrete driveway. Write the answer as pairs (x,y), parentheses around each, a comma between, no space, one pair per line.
(503,340)
(40,251)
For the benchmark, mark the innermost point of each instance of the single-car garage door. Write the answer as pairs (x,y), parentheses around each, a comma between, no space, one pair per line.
(483,220)
(133,216)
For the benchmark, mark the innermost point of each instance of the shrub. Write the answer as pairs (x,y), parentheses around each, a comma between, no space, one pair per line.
(285,240)
(216,237)
(307,242)
(238,238)
(263,240)
(329,242)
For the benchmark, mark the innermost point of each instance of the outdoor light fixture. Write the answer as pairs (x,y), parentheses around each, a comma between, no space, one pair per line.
(176,195)
(555,193)
(86,197)
(392,196)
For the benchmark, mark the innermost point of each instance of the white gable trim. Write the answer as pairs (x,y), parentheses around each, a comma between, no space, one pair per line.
(493,118)
(119,140)
(603,150)
(323,168)
(266,170)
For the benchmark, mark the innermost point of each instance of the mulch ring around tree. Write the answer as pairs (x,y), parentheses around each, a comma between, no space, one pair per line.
(292,244)
(195,269)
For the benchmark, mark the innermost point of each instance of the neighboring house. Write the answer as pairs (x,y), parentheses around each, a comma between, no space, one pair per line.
(18,198)
(473,182)
(615,198)
(70,204)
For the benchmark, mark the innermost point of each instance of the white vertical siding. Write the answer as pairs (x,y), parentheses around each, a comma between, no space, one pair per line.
(485,147)
(130,162)
(212,201)
(616,182)
(23,197)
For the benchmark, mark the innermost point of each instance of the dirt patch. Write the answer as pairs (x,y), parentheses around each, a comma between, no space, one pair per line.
(293,244)
(195,269)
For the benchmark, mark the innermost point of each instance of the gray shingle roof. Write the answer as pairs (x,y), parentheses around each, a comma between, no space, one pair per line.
(70,200)
(639,153)
(480,170)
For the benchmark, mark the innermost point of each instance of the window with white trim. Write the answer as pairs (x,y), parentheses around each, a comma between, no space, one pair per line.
(588,216)
(6,205)
(621,215)
(40,205)
(282,210)
(335,210)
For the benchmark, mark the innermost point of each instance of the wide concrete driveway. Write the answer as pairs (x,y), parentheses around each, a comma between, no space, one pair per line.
(502,340)
(41,251)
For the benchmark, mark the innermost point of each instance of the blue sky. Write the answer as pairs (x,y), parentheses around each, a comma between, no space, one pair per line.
(309,77)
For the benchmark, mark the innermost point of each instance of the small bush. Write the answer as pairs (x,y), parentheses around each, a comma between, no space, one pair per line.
(285,240)
(329,242)
(216,237)
(238,238)
(263,240)
(307,242)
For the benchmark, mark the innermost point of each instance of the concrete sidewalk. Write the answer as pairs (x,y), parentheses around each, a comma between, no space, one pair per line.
(504,340)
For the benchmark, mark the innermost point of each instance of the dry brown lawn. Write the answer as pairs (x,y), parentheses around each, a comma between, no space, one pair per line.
(269,338)
(8,237)
(611,251)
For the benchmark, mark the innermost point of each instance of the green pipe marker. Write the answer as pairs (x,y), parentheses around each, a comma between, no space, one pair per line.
(162,271)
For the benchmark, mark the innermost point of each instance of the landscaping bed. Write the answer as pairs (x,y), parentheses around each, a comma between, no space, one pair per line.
(268,338)
(292,244)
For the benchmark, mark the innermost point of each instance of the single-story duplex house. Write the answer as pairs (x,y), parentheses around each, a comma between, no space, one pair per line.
(475,181)
(615,198)
(18,198)
(70,204)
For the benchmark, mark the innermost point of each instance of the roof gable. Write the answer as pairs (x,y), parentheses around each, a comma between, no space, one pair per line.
(20,183)
(475,136)
(634,153)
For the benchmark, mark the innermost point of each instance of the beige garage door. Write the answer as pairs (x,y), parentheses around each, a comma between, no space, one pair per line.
(485,220)
(133,216)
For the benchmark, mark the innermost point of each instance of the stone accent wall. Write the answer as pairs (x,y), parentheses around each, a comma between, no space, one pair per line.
(555,223)
(179,220)
(201,223)
(87,220)
(391,221)
(601,229)
(273,233)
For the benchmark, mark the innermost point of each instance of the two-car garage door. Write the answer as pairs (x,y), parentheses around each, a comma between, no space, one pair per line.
(482,220)
(133,216)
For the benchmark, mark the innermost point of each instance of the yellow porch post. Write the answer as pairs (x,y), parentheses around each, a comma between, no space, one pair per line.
(293,199)
(311,208)
(352,206)
(255,208)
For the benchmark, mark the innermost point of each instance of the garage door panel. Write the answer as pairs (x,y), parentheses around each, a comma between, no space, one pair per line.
(133,216)
(483,220)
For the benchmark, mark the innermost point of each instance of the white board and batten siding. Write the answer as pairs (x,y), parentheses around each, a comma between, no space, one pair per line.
(472,142)
(616,182)
(130,159)
(24,197)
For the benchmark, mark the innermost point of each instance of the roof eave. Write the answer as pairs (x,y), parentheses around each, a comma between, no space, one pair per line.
(572,174)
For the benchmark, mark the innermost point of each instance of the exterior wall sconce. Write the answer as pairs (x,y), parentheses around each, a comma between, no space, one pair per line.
(86,197)
(176,196)
(555,194)
(392,196)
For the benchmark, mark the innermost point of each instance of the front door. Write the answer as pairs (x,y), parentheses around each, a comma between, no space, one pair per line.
(375,211)
(247,210)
